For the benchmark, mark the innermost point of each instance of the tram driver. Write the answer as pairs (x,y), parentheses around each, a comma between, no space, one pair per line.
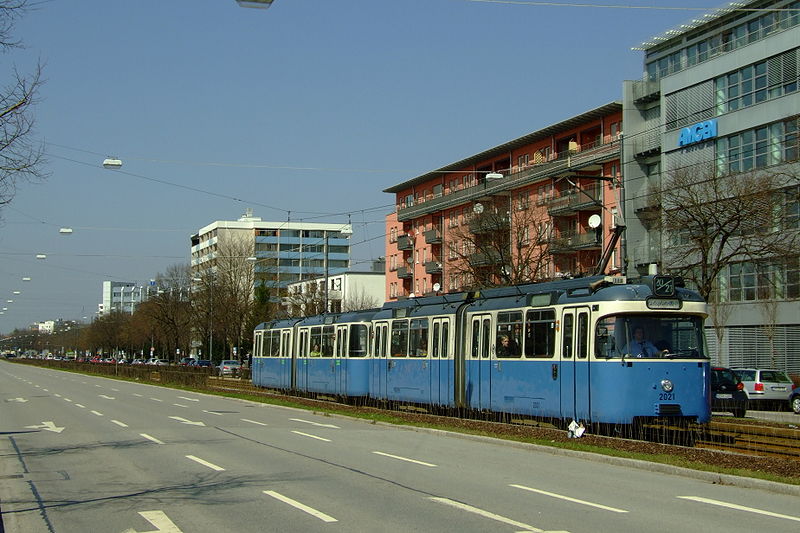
(639,346)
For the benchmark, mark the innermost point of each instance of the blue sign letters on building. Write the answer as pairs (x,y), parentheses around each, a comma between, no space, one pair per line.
(699,132)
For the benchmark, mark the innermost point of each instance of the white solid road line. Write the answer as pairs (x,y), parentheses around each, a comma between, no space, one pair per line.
(297,505)
(314,423)
(310,436)
(740,507)
(120,424)
(253,422)
(569,499)
(486,514)
(189,399)
(212,466)
(148,437)
(405,459)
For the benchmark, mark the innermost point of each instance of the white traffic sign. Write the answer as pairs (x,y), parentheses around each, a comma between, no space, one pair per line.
(47,426)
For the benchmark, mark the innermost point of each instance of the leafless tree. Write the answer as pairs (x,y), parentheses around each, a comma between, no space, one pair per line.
(710,220)
(307,300)
(360,300)
(20,156)
(169,311)
(501,246)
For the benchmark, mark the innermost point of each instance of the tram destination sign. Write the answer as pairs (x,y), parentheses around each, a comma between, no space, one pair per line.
(664,303)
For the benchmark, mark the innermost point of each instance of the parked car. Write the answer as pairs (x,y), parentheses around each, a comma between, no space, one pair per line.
(229,367)
(766,387)
(727,392)
(202,363)
(794,400)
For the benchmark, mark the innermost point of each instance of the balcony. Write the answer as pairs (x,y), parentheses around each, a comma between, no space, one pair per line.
(575,242)
(489,224)
(433,267)
(405,272)
(433,236)
(404,242)
(576,200)
(587,157)
(485,258)
(645,91)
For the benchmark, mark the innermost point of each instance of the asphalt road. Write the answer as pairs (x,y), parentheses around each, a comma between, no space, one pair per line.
(87,454)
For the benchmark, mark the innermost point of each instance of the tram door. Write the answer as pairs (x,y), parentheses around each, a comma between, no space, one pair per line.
(440,375)
(286,359)
(479,376)
(574,364)
(339,361)
(380,362)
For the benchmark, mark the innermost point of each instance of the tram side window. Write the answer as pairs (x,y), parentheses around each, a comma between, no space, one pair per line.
(302,349)
(359,336)
(509,334)
(435,341)
(316,342)
(445,338)
(418,345)
(380,342)
(399,338)
(274,343)
(328,336)
(540,334)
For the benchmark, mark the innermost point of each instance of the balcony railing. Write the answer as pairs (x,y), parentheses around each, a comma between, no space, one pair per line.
(433,236)
(433,267)
(405,273)
(575,242)
(404,242)
(587,155)
(488,224)
(576,200)
(485,258)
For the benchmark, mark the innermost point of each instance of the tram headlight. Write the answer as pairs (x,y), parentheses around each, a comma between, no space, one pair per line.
(666,385)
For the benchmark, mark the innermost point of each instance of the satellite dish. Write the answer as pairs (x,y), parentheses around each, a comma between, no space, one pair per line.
(478,208)
(411,295)
(594,221)
(410,260)
(436,287)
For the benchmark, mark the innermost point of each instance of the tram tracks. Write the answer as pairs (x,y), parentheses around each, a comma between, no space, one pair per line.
(751,439)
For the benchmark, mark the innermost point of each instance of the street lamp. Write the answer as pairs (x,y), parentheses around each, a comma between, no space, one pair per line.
(258,4)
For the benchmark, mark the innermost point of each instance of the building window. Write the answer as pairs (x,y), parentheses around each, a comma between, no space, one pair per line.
(759,147)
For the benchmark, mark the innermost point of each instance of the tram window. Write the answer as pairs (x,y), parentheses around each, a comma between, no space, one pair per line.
(445,338)
(540,337)
(476,338)
(328,333)
(435,347)
(380,340)
(672,336)
(509,334)
(487,331)
(399,338)
(316,342)
(583,335)
(274,343)
(358,340)
(303,348)
(418,346)
(566,345)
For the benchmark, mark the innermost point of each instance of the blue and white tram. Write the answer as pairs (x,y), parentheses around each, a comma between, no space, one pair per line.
(556,350)
(332,354)
(272,366)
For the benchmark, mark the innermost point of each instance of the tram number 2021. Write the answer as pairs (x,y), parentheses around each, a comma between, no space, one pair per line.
(666,396)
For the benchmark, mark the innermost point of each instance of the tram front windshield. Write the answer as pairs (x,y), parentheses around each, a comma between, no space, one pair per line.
(648,336)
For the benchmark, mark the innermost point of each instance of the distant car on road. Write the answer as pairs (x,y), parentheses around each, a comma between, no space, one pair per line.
(201,363)
(229,367)
(766,387)
(727,392)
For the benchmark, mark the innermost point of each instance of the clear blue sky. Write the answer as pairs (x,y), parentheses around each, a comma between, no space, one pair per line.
(309,107)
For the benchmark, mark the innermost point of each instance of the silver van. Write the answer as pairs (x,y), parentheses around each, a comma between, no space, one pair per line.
(767,388)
